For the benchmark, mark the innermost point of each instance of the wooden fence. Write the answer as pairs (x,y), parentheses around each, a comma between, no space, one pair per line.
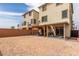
(16,32)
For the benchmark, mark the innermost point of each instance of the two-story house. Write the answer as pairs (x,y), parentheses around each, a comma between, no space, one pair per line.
(52,19)
(56,19)
(30,20)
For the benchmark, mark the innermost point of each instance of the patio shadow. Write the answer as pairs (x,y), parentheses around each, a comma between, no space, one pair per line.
(1,54)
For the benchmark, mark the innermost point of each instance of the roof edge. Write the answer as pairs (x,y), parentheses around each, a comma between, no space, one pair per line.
(30,11)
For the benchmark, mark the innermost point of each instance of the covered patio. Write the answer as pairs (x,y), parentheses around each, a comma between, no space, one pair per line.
(55,30)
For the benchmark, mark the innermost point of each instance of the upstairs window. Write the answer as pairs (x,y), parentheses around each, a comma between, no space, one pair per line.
(58,4)
(34,21)
(44,19)
(29,13)
(24,23)
(65,14)
(31,21)
(44,8)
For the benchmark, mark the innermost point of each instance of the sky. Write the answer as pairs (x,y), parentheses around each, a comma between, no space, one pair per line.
(11,13)
(76,15)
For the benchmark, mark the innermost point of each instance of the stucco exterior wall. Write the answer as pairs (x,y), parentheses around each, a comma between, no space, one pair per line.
(54,14)
(34,15)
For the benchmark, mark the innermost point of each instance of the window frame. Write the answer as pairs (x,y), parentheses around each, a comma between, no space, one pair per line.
(24,23)
(30,13)
(44,18)
(57,4)
(34,20)
(66,14)
(44,7)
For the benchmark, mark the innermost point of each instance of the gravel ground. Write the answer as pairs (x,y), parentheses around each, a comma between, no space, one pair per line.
(37,46)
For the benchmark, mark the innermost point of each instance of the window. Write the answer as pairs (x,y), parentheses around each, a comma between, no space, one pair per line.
(58,4)
(24,22)
(44,8)
(65,14)
(59,31)
(44,19)
(39,21)
(29,13)
(34,21)
(31,21)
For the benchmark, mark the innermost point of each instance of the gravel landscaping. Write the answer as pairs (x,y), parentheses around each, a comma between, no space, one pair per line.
(37,46)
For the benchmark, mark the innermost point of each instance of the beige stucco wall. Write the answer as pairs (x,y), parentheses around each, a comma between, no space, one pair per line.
(34,15)
(54,14)
(28,18)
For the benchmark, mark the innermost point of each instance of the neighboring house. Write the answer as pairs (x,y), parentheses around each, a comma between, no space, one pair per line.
(56,19)
(53,19)
(30,19)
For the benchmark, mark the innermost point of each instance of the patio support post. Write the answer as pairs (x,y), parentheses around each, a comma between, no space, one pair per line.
(53,29)
(47,30)
(54,32)
(44,30)
(64,31)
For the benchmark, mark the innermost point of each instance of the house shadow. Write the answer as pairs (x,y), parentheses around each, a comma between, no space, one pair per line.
(1,53)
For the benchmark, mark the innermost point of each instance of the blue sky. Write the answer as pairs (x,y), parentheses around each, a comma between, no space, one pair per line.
(13,7)
(11,13)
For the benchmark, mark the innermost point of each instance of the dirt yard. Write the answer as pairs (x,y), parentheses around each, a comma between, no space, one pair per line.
(34,45)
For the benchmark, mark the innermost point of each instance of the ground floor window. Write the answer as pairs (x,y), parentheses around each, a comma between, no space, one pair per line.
(60,31)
